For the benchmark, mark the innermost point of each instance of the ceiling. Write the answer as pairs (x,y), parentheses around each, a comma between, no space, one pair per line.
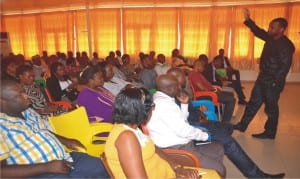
(32,6)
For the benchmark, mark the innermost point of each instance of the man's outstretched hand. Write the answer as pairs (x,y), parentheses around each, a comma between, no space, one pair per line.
(246,13)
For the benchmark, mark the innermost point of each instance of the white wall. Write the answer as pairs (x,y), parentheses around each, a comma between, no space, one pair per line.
(247,75)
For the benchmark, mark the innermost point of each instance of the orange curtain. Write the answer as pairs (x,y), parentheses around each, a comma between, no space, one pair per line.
(219,30)
(12,24)
(204,30)
(82,43)
(57,31)
(293,32)
(194,34)
(136,30)
(164,38)
(105,30)
(149,29)
(242,41)
(23,34)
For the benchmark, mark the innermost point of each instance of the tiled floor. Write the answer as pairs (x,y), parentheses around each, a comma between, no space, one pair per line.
(272,156)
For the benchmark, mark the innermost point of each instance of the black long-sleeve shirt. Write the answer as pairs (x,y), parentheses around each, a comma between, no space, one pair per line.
(276,57)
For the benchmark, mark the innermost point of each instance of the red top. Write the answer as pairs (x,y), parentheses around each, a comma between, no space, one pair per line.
(196,77)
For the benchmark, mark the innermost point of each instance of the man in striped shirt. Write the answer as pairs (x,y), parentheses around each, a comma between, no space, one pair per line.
(29,149)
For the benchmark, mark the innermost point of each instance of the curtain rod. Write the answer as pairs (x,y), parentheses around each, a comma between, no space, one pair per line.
(173,5)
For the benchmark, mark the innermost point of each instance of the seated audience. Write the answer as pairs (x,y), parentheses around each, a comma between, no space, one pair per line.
(95,59)
(111,83)
(233,74)
(8,69)
(178,61)
(36,96)
(161,66)
(175,53)
(235,84)
(130,153)
(199,83)
(169,128)
(97,100)
(209,71)
(62,58)
(116,66)
(77,56)
(52,59)
(147,74)
(20,59)
(84,60)
(30,150)
(152,55)
(221,132)
(38,69)
(138,66)
(70,57)
(119,57)
(60,85)
(128,69)
(71,69)
(45,56)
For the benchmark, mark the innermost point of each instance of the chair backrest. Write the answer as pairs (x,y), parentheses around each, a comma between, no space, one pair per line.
(74,124)
(210,94)
(63,104)
(50,98)
(182,157)
(209,112)
(106,166)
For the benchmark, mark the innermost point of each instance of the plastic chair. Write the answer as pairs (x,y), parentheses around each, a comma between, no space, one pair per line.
(207,94)
(181,157)
(75,124)
(105,164)
(63,104)
(210,112)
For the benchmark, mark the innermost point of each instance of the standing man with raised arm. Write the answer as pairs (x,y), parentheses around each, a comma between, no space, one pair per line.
(275,62)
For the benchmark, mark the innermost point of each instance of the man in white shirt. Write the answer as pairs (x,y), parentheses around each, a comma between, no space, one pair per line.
(221,132)
(169,128)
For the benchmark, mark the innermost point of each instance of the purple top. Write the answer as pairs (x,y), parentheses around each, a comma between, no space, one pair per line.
(97,104)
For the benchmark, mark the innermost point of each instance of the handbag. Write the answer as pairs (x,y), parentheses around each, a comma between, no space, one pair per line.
(72,94)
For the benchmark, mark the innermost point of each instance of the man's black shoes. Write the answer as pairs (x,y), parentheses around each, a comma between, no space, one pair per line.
(264,135)
(240,127)
(279,175)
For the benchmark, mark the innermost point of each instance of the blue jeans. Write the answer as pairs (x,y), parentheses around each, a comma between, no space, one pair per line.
(85,166)
(221,132)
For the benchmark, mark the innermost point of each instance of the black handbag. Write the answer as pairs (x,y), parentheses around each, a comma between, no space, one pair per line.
(72,94)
